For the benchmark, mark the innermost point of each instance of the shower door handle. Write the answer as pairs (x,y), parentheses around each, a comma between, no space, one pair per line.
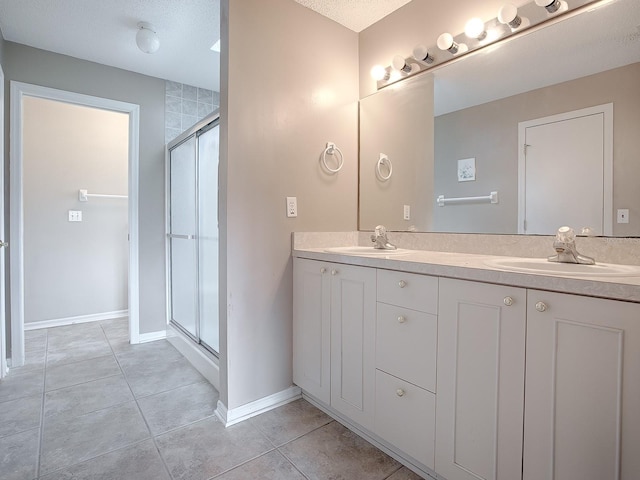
(184,237)
(3,244)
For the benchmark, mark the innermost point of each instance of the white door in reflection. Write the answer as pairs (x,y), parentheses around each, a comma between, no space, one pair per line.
(565,175)
(193,236)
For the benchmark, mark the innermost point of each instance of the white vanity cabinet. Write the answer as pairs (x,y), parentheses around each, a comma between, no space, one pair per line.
(481,366)
(406,342)
(312,327)
(582,402)
(333,336)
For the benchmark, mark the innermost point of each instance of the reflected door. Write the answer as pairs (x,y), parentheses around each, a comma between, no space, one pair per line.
(566,180)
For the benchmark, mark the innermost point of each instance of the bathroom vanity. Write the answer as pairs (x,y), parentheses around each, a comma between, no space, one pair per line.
(463,370)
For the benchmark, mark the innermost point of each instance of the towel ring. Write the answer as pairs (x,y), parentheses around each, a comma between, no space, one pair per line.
(382,161)
(331,150)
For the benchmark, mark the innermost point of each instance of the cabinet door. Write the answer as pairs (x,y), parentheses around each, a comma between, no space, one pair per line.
(311,327)
(583,388)
(480,381)
(353,313)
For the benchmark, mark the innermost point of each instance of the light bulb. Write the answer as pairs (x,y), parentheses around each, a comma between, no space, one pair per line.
(553,6)
(421,54)
(475,29)
(445,42)
(400,64)
(508,15)
(378,73)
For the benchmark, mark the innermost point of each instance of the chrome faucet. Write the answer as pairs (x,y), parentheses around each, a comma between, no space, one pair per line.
(380,240)
(565,247)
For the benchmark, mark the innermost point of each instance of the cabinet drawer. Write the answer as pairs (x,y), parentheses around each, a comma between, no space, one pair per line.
(409,290)
(406,344)
(405,417)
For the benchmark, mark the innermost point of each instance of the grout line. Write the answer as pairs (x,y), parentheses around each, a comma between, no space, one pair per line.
(217,475)
(44,383)
(331,420)
(152,437)
(293,463)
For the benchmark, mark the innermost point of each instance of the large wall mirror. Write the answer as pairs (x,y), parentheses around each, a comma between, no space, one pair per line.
(539,131)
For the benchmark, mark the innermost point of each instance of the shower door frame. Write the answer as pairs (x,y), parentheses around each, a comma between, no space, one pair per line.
(207,123)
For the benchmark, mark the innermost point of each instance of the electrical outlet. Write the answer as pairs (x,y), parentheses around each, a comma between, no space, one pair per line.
(75,215)
(407,212)
(292,207)
(623,215)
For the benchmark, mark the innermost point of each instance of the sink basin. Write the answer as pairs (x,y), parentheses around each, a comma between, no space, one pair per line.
(367,251)
(542,266)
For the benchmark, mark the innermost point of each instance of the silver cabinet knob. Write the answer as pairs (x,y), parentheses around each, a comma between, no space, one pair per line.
(323,270)
(508,301)
(541,306)
(402,284)
(400,392)
(334,272)
(401,319)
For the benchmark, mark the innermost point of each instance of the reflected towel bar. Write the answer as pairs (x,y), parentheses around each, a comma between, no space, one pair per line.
(83,196)
(491,198)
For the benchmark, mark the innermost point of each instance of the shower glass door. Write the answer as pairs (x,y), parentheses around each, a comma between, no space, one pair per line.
(193,235)
(182,237)
(208,149)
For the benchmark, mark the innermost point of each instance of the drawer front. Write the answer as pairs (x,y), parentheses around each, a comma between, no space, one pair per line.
(408,290)
(406,344)
(405,417)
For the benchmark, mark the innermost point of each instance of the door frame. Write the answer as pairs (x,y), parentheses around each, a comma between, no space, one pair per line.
(3,326)
(607,111)
(19,90)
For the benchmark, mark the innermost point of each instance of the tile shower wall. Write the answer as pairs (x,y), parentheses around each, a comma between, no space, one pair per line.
(185,105)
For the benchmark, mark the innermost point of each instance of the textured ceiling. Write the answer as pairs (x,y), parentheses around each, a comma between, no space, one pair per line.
(354,14)
(104,31)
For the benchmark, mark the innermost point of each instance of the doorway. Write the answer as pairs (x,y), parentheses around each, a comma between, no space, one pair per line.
(565,172)
(20,94)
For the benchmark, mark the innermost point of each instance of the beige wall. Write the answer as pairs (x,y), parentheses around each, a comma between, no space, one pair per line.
(385,119)
(31,65)
(73,268)
(491,136)
(418,22)
(289,85)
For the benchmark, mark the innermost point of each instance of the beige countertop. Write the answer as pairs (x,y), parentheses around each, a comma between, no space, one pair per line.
(475,267)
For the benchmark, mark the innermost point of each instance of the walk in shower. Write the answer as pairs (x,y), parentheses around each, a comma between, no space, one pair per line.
(192,233)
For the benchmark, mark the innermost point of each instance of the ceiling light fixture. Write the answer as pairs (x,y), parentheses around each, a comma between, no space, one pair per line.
(147,38)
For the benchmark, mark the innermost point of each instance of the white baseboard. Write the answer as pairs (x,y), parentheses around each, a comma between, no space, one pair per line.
(244,412)
(203,361)
(152,336)
(60,322)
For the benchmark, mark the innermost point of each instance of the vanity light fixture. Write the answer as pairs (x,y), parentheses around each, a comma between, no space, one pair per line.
(553,6)
(508,15)
(474,29)
(400,64)
(147,38)
(379,73)
(446,43)
(421,54)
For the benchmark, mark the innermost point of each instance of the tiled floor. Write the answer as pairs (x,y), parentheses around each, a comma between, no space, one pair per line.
(87,405)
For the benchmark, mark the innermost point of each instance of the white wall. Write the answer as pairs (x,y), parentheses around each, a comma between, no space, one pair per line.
(74,268)
(31,65)
(289,84)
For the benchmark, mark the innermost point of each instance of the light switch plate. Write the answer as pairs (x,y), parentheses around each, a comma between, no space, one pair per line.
(292,207)
(407,212)
(75,215)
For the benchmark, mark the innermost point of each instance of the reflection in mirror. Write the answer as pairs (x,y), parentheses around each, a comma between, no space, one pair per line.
(479,102)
